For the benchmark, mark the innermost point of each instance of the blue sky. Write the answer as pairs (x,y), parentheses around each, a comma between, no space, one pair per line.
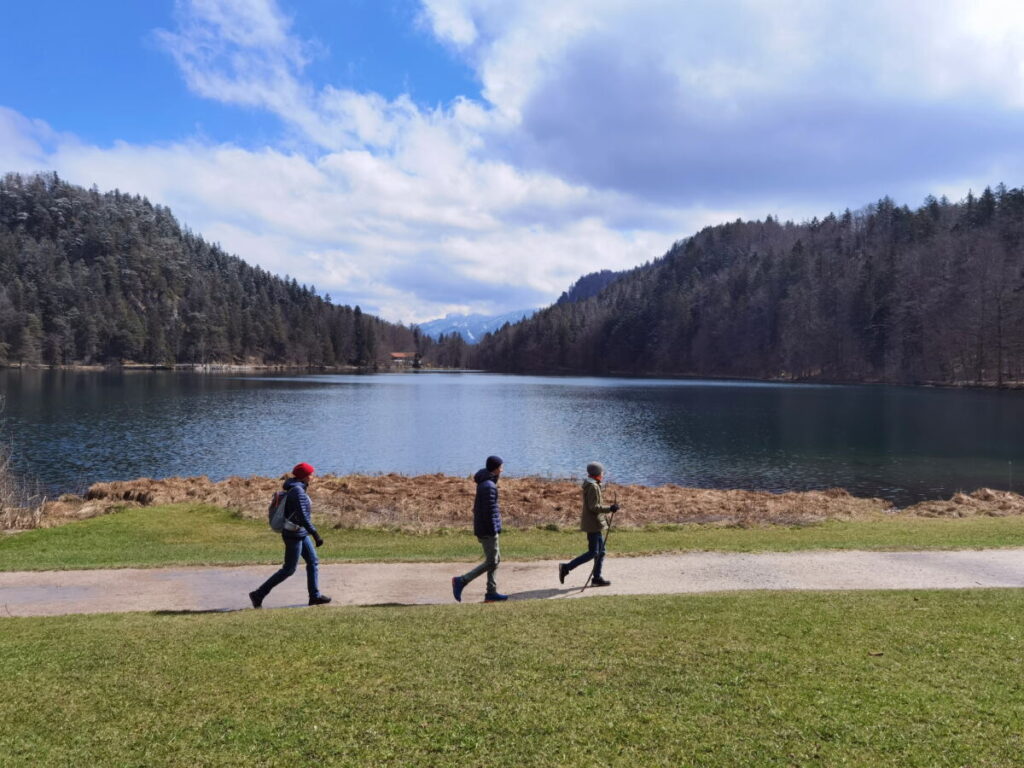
(421,157)
(98,68)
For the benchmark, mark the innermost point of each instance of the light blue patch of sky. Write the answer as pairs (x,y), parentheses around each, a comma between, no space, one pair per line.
(379,46)
(96,69)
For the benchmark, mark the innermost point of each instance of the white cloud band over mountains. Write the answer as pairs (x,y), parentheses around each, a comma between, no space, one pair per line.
(606,130)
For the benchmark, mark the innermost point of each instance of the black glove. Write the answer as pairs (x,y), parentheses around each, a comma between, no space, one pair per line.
(318,539)
(615,507)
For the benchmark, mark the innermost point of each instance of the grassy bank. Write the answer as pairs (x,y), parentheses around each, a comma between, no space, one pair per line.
(777,679)
(204,535)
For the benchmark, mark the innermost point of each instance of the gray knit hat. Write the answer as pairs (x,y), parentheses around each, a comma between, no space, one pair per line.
(595,468)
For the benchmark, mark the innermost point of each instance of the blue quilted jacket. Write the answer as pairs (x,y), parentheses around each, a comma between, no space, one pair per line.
(298,509)
(486,513)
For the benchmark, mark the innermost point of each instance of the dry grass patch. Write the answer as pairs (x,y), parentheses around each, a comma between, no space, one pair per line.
(21,506)
(441,501)
(430,502)
(983,502)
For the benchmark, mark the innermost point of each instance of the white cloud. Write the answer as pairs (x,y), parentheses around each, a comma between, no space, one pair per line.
(934,48)
(429,219)
(607,129)
(450,22)
(736,102)
(23,142)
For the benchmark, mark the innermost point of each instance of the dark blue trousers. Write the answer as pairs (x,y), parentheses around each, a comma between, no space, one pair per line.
(293,549)
(595,552)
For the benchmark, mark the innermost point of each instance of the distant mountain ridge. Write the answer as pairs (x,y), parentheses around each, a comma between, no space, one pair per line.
(472,328)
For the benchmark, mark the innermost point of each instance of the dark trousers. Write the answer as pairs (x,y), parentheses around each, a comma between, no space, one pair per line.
(293,549)
(492,556)
(595,552)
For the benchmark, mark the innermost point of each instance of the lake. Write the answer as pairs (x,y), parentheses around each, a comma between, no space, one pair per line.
(71,428)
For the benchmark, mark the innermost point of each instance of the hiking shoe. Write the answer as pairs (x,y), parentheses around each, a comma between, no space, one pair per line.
(495,597)
(599,582)
(563,571)
(457,586)
(319,600)
(255,599)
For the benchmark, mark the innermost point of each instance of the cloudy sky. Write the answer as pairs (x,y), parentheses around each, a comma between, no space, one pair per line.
(420,158)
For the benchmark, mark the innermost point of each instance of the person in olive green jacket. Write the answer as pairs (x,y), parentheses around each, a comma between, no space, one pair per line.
(594,522)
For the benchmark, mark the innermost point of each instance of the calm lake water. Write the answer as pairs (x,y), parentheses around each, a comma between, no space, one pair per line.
(68,429)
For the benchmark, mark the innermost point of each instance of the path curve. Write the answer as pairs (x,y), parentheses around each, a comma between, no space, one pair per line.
(51,593)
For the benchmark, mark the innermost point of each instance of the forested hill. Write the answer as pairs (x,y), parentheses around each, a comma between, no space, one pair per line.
(90,277)
(589,285)
(885,294)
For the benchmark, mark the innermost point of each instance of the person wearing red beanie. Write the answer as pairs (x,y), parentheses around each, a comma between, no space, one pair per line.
(298,530)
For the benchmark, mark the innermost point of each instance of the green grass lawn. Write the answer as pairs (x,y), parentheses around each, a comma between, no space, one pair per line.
(197,535)
(754,679)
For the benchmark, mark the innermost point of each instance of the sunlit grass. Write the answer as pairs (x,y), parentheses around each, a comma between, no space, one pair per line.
(203,535)
(765,679)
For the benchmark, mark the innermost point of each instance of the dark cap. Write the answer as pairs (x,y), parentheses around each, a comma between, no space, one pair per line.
(493,462)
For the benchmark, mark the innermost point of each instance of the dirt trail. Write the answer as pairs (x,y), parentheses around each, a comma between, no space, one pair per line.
(50,593)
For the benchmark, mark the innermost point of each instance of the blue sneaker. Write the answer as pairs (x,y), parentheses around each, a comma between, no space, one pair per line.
(495,597)
(457,586)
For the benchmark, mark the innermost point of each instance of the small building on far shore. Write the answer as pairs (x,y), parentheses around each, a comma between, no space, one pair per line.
(405,360)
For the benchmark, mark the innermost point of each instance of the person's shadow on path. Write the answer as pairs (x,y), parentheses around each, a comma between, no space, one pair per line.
(190,611)
(542,594)
(233,609)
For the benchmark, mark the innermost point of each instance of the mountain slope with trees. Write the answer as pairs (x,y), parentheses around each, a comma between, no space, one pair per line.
(105,278)
(886,294)
(589,285)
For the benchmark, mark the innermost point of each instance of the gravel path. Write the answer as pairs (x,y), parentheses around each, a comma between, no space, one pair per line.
(50,593)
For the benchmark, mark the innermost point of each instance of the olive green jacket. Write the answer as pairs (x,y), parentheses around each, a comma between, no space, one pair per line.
(595,511)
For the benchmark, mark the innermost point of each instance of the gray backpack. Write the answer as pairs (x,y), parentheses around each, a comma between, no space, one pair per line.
(276,512)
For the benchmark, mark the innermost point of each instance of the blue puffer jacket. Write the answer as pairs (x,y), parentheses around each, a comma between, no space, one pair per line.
(486,513)
(297,510)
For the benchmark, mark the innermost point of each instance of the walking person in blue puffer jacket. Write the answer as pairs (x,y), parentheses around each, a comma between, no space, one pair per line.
(298,530)
(486,527)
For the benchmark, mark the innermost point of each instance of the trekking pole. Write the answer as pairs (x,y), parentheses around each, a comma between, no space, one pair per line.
(611,520)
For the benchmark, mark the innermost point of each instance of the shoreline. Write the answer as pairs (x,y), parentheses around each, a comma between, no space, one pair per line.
(216,368)
(423,503)
(1009,386)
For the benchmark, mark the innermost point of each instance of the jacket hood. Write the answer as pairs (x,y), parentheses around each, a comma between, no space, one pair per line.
(291,482)
(482,475)
(591,481)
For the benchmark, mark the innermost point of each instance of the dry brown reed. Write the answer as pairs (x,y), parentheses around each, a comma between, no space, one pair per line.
(429,502)
(21,505)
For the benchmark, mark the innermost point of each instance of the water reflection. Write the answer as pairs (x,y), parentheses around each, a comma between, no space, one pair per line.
(72,428)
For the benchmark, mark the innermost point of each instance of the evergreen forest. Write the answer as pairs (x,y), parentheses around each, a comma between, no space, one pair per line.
(884,294)
(109,278)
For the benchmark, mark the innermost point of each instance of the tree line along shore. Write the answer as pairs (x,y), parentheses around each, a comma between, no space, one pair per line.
(883,294)
(430,502)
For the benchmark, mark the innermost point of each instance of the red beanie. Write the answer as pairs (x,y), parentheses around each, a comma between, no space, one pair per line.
(303,470)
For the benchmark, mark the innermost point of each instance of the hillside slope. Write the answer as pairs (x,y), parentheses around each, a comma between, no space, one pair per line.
(101,278)
(887,294)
